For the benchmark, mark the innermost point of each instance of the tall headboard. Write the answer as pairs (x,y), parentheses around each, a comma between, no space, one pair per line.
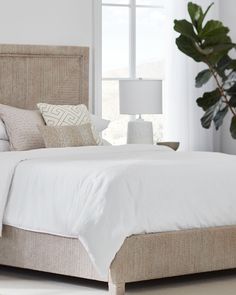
(54,74)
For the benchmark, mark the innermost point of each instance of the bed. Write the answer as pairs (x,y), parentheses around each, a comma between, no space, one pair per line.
(30,74)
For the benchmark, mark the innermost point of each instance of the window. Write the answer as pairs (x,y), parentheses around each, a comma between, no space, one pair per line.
(133,46)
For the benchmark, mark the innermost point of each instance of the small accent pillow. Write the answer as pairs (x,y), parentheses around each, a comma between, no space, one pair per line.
(3,132)
(67,136)
(99,123)
(4,146)
(67,115)
(22,128)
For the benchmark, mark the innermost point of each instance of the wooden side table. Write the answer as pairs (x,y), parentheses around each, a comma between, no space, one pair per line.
(173,145)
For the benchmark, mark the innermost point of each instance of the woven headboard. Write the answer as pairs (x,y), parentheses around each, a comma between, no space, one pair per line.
(54,74)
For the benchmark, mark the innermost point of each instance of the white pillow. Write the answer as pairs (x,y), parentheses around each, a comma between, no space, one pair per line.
(99,123)
(3,132)
(4,146)
(105,142)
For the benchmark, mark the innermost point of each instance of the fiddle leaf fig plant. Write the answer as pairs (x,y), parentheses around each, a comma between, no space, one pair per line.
(209,42)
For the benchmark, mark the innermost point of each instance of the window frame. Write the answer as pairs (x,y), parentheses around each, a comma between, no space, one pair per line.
(97,52)
(132,36)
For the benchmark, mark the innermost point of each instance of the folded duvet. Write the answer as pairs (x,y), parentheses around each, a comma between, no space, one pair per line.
(102,195)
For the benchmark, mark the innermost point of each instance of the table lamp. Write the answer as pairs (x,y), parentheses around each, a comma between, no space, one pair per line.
(139,97)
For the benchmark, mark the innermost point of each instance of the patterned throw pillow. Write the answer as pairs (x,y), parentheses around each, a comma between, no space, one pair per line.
(67,136)
(67,115)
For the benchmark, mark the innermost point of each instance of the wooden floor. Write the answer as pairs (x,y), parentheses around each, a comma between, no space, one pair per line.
(18,282)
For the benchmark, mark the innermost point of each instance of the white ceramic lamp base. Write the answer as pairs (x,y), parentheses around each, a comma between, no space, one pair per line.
(140,132)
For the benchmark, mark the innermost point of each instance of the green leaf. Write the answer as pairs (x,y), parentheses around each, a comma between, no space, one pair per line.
(216,40)
(215,57)
(203,77)
(187,46)
(185,28)
(232,90)
(222,66)
(218,52)
(222,47)
(224,63)
(196,14)
(209,99)
(232,101)
(213,28)
(209,115)
(233,127)
(219,117)
(205,14)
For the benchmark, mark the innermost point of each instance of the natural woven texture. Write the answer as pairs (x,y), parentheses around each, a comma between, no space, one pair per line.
(30,74)
(67,136)
(44,252)
(67,115)
(22,128)
(142,257)
(167,254)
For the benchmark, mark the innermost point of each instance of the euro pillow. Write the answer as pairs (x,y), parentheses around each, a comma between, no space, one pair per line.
(67,115)
(67,136)
(22,128)
(3,132)
(4,146)
(99,123)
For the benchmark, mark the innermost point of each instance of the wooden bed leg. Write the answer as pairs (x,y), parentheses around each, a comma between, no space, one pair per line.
(116,289)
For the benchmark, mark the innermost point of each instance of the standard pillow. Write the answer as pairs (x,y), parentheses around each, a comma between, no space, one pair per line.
(67,136)
(105,142)
(3,132)
(99,123)
(22,128)
(4,146)
(67,115)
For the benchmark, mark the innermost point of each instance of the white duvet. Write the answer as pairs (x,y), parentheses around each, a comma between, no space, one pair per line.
(102,195)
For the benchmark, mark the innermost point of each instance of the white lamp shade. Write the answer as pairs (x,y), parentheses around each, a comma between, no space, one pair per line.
(140,97)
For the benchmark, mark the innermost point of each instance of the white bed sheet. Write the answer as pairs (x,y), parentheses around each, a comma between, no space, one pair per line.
(104,194)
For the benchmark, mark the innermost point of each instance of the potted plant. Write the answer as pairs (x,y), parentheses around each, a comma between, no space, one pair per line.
(209,42)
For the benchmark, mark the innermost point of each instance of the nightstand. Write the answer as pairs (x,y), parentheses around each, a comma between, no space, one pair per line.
(173,145)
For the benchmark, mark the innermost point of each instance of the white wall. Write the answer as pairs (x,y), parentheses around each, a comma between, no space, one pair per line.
(228,17)
(49,22)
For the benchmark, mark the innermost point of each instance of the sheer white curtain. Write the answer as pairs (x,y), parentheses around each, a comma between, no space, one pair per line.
(181,114)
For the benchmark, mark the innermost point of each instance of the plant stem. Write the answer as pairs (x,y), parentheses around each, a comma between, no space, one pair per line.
(222,91)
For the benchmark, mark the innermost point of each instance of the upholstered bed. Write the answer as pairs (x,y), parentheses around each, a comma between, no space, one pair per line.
(32,74)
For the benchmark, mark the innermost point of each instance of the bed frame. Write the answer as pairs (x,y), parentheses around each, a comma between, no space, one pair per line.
(31,74)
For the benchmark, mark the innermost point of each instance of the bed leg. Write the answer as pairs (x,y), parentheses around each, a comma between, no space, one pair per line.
(116,288)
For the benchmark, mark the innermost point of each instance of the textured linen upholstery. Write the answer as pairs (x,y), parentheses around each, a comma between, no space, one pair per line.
(67,136)
(67,115)
(142,257)
(22,128)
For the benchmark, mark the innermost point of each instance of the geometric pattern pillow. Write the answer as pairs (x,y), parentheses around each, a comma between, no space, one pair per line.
(67,115)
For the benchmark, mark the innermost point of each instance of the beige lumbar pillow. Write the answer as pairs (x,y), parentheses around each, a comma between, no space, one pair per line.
(22,128)
(67,115)
(67,136)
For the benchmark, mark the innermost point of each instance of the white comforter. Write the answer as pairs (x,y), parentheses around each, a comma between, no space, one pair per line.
(104,194)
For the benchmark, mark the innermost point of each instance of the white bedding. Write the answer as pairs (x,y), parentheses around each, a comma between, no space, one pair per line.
(104,194)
